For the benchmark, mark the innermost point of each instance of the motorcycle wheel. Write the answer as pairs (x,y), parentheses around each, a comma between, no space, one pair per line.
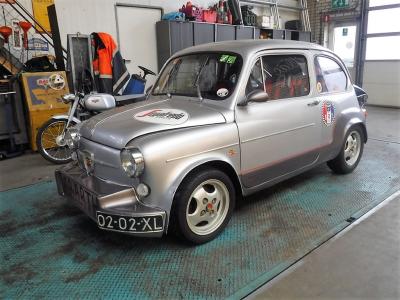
(50,141)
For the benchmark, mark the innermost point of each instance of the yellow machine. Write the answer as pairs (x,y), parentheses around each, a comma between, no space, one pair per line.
(43,94)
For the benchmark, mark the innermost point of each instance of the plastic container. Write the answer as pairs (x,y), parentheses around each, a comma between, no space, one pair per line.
(135,86)
(209,16)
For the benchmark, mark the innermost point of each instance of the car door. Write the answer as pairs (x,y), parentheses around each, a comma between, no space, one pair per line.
(282,134)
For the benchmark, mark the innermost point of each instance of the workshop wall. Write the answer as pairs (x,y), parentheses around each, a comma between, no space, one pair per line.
(317,9)
(99,15)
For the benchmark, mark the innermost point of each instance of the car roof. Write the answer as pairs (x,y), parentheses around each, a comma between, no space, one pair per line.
(248,47)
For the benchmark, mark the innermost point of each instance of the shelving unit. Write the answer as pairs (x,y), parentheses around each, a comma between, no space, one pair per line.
(173,36)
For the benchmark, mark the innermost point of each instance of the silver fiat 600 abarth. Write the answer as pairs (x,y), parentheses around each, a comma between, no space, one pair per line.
(222,121)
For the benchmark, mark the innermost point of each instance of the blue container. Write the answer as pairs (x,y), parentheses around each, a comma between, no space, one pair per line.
(135,85)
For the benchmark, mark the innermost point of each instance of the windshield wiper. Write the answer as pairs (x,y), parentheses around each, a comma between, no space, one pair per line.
(170,74)
(196,83)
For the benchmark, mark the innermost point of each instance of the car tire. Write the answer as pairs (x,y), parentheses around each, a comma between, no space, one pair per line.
(350,152)
(203,205)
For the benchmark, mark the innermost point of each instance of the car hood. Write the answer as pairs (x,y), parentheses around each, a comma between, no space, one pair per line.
(117,127)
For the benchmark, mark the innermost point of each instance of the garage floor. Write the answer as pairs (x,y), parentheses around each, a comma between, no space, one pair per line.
(49,248)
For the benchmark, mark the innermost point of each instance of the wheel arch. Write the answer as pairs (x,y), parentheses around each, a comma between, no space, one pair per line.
(222,165)
(219,165)
(356,122)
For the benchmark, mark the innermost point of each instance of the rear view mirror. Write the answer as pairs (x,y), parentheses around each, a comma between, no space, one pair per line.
(257,96)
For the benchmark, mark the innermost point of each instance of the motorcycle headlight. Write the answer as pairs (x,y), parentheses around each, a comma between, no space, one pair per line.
(71,138)
(132,162)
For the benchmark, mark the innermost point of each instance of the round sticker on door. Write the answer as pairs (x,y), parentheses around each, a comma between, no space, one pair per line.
(163,116)
(319,87)
(328,113)
(222,92)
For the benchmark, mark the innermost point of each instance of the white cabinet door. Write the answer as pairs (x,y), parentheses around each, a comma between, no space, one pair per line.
(137,38)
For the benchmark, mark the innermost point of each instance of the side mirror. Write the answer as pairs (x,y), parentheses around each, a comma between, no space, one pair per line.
(257,96)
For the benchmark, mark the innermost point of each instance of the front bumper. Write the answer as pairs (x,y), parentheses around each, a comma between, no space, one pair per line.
(108,204)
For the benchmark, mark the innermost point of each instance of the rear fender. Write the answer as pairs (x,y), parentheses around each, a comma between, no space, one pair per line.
(352,122)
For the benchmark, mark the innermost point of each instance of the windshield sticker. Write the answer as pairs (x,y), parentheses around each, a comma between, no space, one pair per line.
(222,93)
(163,116)
(328,113)
(229,59)
(224,58)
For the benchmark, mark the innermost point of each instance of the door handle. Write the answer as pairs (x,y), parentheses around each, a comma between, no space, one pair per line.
(314,103)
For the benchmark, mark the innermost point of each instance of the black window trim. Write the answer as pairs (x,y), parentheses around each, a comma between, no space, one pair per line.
(344,70)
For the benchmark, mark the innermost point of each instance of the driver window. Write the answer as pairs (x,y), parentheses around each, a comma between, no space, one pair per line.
(255,81)
(286,76)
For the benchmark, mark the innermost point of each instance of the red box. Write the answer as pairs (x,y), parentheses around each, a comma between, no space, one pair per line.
(209,16)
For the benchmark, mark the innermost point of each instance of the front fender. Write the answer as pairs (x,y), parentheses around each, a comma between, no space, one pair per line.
(170,156)
(63,117)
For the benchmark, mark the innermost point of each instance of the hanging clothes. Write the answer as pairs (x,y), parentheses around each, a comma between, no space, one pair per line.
(109,68)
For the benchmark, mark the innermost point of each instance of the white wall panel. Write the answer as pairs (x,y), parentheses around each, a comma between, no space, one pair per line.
(382,82)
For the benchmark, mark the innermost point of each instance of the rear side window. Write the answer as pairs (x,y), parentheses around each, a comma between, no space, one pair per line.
(285,76)
(330,76)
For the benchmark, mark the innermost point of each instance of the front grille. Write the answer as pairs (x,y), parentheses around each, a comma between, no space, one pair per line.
(107,162)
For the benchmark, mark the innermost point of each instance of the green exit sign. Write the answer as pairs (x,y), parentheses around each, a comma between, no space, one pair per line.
(340,4)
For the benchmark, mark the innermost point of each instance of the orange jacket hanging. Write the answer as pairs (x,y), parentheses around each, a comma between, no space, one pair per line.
(108,66)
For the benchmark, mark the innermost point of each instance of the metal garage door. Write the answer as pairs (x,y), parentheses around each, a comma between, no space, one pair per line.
(136,29)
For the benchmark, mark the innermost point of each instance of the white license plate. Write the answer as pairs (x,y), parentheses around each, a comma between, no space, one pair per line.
(129,224)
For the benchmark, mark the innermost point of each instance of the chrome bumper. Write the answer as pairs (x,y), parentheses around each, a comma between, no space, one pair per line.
(96,197)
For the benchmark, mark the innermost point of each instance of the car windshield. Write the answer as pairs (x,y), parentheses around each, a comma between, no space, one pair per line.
(205,75)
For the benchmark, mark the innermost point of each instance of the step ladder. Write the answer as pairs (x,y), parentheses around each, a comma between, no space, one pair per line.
(305,19)
(273,7)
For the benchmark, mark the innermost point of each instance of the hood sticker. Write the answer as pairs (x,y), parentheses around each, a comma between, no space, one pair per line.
(328,113)
(163,116)
(222,92)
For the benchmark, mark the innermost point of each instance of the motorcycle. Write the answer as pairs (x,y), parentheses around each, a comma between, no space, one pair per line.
(50,137)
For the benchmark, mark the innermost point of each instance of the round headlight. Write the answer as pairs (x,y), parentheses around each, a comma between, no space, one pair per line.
(72,137)
(132,162)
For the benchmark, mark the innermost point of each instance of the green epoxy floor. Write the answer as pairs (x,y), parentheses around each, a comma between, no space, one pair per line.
(50,250)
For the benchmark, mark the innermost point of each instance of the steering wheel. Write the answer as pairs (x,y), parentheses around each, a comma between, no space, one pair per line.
(146,71)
